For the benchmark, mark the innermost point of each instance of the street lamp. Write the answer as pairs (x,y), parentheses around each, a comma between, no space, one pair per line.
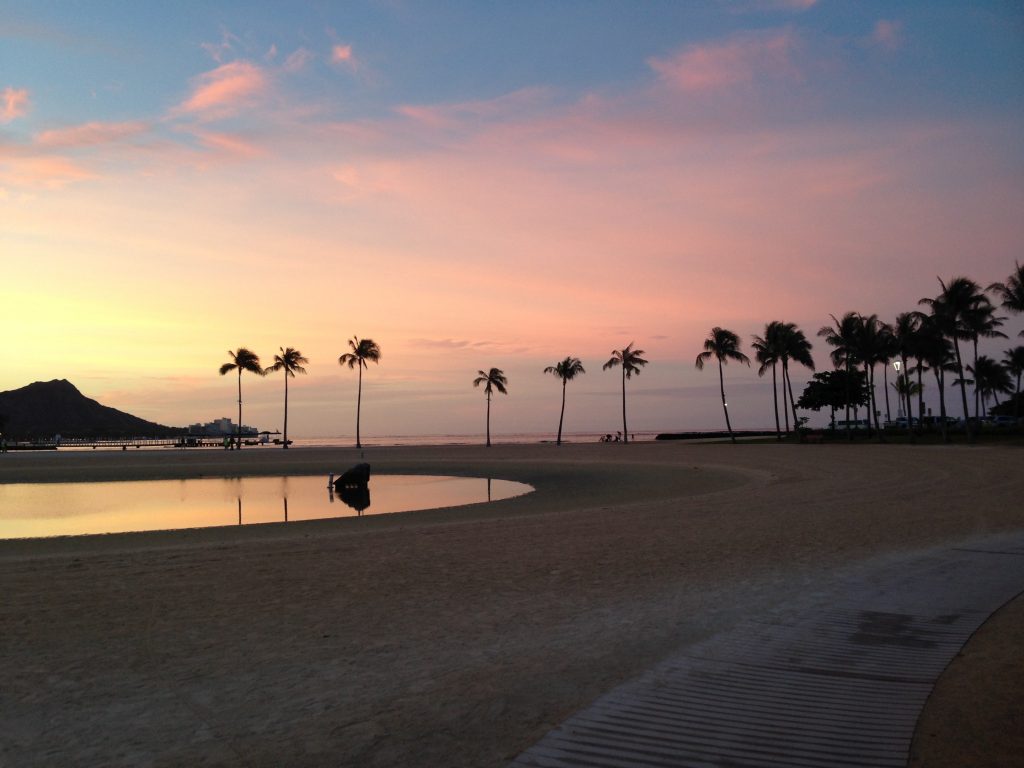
(896,364)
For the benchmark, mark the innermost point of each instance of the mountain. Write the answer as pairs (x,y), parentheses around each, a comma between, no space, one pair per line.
(48,408)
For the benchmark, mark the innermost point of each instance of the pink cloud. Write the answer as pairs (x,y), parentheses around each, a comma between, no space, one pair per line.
(887,34)
(342,54)
(227,143)
(13,104)
(50,172)
(224,90)
(90,134)
(297,60)
(734,62)
(219,51)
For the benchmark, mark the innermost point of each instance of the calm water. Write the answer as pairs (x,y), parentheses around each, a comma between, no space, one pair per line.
(60,509)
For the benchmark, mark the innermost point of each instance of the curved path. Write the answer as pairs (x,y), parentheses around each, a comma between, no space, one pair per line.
(838,683)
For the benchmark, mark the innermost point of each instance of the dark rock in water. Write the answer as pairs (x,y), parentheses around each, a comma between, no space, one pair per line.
(359,475)
(356,496)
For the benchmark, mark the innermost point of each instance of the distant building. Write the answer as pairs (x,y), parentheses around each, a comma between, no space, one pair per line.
(219,427)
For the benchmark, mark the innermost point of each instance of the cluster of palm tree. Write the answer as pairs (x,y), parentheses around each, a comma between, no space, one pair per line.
(291,361)
(961,312)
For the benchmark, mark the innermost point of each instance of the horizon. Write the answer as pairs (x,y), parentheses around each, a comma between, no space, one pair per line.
(477,187)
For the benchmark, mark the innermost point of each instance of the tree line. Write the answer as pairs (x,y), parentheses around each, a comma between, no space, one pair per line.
(920,340)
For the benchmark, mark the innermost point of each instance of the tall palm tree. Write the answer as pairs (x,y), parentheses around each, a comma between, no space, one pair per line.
(242,359)
(904,338)
(950,310)
(981,321)
(768,352)
(723,345)
(631,361)
(566,370)
(871,350)
(1014,362)
(290,361)
(362,350)
(990,378)
(842,335)
(934,349)
(1012,291)
(795,347)
(493,379)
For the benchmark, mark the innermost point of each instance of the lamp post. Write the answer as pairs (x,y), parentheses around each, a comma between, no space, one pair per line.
(896,364)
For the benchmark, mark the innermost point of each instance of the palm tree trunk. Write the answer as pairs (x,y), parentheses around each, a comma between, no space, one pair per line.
(785,403)
(871,397)
(1016,401)
(775,399)
(906,396)
(849,427)
(725,406)
(940,383)
(238,429)
(561,416)
(488,420)
(792,403)
(286,416)
(359,406)
(976,390)
(963,389)
(885,388)
(625,432)
(920,393)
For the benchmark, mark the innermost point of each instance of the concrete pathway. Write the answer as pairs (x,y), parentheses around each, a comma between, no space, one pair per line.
(839,682)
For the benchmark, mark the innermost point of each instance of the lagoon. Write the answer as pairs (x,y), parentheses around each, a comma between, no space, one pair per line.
(71,509)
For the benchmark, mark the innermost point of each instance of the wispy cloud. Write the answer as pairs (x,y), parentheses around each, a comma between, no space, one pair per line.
(224,90)
(297,60)
(220,51)
(13,104)
(226,143)
(39,171)
(736,61)
(887,35)
(90,134)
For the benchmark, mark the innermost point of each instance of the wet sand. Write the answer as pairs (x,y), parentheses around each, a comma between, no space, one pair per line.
(448,637)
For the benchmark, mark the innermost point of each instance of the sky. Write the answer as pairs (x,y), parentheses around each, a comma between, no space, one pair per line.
(477,185)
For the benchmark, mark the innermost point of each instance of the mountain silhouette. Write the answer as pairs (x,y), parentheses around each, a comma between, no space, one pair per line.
(47,408)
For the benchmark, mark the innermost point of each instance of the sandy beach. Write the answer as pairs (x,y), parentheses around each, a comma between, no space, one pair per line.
(452,637)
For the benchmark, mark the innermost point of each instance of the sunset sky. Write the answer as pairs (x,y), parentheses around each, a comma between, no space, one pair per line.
(487,184)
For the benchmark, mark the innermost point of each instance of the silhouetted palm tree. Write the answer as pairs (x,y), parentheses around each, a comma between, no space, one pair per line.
(795,347)
(934,349)
(631,361)
(950,310)
(362,350)
(981,321)
(904,338)
(768,351)
(1011,293)
(290,361)
(1014,362)
(242,360)
(871,349)
(723,345)
(566,370)
(842,335)
(990,378)
(493,379)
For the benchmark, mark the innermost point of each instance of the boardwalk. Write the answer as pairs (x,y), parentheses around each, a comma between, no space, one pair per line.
(839,682)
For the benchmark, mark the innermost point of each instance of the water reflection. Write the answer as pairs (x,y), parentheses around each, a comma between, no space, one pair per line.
(52,509)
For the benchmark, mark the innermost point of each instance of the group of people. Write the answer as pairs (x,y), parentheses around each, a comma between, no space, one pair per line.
(617,439)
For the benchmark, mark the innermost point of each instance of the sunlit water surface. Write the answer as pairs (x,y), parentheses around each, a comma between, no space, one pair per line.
(62,509)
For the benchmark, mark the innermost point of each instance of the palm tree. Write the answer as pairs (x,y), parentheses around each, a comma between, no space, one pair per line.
(990,378)
(768,351)
(362,350)
(795,347)
(493,379)
(242,359)
(934,350)
(566,370)
(724,345)
(1012,291)
(1014,362)
(904,338)
(290,361)
(871,349)
(982,321)
(842,335)
(950,310)
(631,361)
